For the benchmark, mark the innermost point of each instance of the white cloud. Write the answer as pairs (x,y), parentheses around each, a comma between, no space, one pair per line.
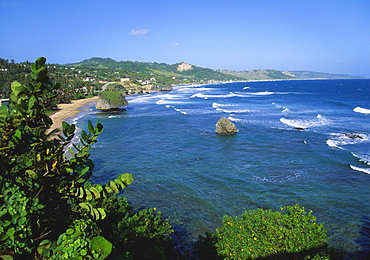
(139,31)
(175,44)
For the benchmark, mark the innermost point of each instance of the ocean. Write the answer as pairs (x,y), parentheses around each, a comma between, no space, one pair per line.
(167,140)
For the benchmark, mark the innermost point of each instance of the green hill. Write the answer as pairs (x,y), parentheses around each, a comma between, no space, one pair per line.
(190,73)
(180,72)
(268,74)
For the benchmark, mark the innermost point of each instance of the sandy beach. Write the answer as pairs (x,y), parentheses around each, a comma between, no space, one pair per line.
(68,110)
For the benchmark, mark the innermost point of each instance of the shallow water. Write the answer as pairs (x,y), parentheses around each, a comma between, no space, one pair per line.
(167,141)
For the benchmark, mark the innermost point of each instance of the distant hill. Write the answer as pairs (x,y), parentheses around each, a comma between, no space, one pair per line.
(318,75)
(268,74)
(178,70)
(187,72)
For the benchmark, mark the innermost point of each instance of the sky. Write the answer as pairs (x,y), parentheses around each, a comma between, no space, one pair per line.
(330,36)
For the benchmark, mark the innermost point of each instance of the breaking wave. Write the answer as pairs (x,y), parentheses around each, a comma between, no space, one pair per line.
(201,95)
(362,157)
(235,110)
(217,105)
(338,140)
(365,170)
(305,123)
(361,110)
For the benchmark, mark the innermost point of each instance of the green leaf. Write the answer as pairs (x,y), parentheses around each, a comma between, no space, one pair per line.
(95,213)
(22,220)
(88,195)
(65,127)
(102,212)
(95,192)
(68,129)
(18,134)
(70,231)
(84,136)
(23,213)
(81,192)
(83,252)
(120,184)
(3,212)
(102,246)
(40,62)
(90,126)
(72,129)
(32,174)
(81,181)
(10,233)
(113,186)
(31,102)
(86,205)
(85,170)
(108,189)
(4,111)
(44,244)
(126,178)
(81,154)
(17,88)
(98,129)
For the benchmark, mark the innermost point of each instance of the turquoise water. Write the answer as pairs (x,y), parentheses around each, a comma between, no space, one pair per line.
(167,141)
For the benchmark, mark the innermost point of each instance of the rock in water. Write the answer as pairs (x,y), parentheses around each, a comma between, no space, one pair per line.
(225,127)
(110,100)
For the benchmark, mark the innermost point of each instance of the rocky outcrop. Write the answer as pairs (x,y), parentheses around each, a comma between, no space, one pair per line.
(184,67)
(225,127)
(353,136)
(110,100)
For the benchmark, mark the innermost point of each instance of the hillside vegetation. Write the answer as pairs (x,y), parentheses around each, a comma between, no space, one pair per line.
(82,79)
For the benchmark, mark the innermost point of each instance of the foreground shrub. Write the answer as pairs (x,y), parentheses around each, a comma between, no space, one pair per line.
(266,233)
(141,234)
(48,207)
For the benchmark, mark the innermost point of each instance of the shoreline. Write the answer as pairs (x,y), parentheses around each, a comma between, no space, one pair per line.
(67,110)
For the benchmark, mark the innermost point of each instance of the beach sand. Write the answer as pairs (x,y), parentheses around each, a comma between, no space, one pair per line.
(68,110)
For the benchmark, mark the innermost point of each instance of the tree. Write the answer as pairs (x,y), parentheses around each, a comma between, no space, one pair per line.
(47,204)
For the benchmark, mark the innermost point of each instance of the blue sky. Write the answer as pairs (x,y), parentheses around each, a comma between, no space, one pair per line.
(326,36)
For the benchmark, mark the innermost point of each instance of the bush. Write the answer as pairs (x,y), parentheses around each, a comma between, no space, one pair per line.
(143,233)
(263,233)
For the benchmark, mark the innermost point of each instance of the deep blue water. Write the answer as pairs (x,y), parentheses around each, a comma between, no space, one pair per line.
(167,140)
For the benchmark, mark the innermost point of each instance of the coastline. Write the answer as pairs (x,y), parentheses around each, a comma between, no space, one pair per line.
(68,110)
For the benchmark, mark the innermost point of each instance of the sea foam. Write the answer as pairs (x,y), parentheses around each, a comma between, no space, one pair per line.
(363,157)
(216,105)
(179,110)
(361,110)
(262,93)
(305,123)
(365,170)
(201,95)
(338,140)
